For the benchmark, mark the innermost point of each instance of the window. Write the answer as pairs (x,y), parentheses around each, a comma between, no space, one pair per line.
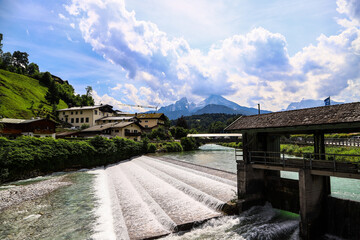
(72,120)
(77,120)
(135,131)
(72,113)
(87,120)
(146,121)
(116,130)
(82,120)
(146,126)
(80,112)
(63,113)
(66,119)
(95,112)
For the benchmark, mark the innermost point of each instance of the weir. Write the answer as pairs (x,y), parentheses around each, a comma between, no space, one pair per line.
(260,162)
(152,197)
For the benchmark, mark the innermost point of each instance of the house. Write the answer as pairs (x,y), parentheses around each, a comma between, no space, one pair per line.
(115,119)
(130,130)
(77,116)
(151,121)
(39,127)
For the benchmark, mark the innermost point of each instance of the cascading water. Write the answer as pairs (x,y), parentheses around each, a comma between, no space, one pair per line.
(151,198)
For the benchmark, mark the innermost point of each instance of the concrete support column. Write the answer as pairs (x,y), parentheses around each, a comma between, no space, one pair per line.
(250,186)
(313,192)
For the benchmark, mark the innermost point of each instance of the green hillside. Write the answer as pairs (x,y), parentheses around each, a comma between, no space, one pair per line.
(22,96)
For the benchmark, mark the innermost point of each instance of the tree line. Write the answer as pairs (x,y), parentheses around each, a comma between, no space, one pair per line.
(18,62)
(205,123)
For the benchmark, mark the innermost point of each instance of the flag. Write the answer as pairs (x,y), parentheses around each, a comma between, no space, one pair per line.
(327,101)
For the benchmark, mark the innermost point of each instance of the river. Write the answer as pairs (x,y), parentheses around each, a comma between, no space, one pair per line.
(79,211)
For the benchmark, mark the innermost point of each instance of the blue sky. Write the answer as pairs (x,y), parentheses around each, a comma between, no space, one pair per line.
(157,51)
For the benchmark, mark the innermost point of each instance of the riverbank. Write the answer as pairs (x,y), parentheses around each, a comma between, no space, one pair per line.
(297,150)
(18,194)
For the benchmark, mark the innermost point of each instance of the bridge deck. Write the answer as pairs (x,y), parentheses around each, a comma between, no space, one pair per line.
(324,165)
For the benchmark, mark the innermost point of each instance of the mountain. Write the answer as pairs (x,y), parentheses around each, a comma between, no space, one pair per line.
(180,108)
(217,100)
(214,108)
(308,103)
(212,104)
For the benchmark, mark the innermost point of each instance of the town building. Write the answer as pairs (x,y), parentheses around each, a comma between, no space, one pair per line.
(150,121)
(77,116)
(39,127)
(115,119)
(129,130)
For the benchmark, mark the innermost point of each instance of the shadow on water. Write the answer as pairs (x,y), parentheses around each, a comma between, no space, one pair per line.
(66,213)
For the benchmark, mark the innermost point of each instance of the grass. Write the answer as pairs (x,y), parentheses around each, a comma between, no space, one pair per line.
(299,150)
(18,91)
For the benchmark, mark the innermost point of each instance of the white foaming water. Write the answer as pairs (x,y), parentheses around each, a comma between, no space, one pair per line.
(180,207)
(104,227)
(153,206)
(219,190)
(140,221)
(219,179)
(189,190)
(257,223)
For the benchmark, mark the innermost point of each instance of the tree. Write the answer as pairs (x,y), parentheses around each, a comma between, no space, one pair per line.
(88,91)
(33,68)
(46,79)
(181,122)
(1,52)
(53,95)
(6,60)
(20,59)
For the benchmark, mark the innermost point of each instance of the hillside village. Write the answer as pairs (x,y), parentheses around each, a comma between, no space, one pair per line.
(86,121)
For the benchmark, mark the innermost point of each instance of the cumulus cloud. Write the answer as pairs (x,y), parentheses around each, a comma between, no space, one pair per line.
(250,68)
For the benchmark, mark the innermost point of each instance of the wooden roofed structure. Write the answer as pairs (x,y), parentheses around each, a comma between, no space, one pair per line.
(258,169)
(335,118)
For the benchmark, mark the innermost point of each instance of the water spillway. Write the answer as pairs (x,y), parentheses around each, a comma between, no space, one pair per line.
(150,197)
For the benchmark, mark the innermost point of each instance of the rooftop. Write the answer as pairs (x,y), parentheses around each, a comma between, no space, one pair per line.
(18,121)
(148,115)
(329,117)
(84,108)
(119,118)
(97,128)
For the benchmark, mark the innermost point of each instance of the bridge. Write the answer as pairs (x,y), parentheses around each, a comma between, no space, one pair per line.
(216,137)
(260,162)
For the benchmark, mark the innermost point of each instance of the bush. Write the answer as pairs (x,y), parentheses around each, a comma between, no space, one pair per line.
(189,144)
(173,147)
(151,148)
(29,156)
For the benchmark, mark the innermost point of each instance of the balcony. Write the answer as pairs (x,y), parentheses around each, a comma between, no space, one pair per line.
(132,134)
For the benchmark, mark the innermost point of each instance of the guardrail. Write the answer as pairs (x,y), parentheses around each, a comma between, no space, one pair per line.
(344,163)
(350,142)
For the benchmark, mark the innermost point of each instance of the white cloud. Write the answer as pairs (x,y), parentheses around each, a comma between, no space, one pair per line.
(250,68)
(72,25)
(61,16)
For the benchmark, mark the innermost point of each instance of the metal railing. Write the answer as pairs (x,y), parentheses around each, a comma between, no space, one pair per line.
(350,142)
(345,163)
